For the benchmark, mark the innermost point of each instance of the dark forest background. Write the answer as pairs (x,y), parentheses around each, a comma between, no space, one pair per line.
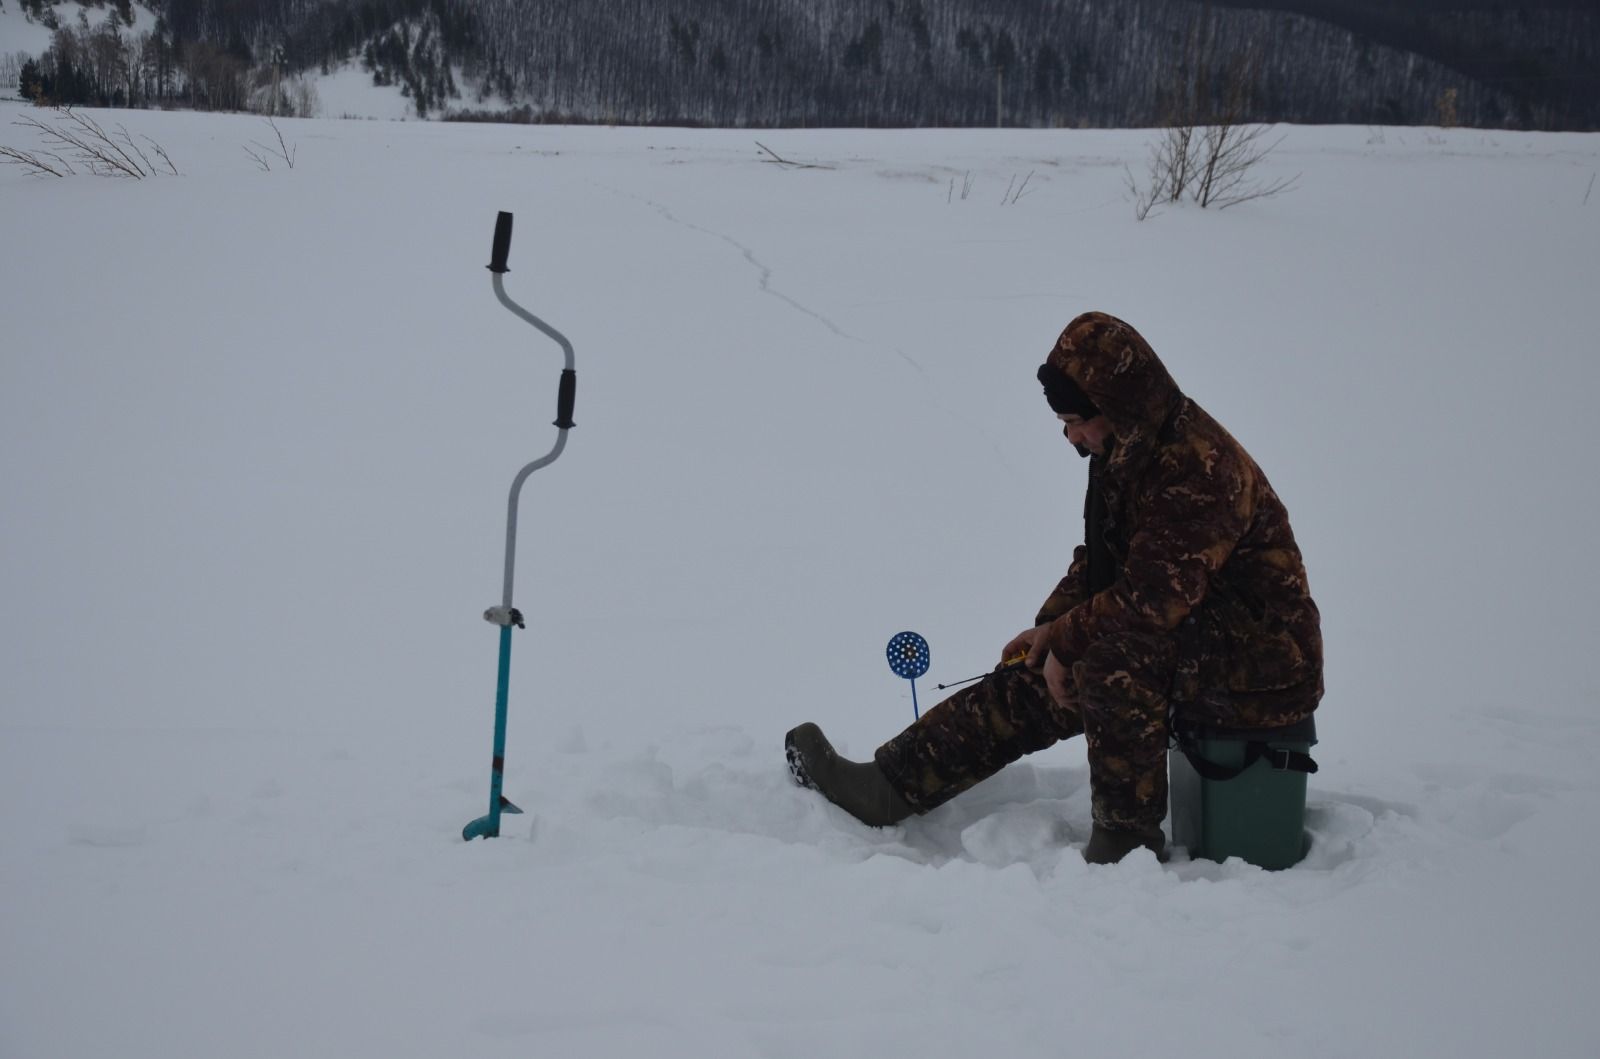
(1041,63)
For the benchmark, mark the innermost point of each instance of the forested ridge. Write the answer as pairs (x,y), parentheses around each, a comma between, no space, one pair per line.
(1041,63)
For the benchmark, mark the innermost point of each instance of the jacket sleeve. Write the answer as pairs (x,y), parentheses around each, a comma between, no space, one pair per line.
(1193,517)
(1070,591)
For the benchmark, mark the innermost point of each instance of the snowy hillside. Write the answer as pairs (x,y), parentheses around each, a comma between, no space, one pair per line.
(256,432)
(346,90)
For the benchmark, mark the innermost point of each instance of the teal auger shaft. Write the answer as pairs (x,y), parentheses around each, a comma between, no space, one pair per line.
(489,826)
(502,697)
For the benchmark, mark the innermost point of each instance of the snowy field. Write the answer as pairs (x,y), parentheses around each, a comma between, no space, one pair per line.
(256,433)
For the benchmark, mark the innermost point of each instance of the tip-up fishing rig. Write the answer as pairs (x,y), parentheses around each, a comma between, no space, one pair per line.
(909,657)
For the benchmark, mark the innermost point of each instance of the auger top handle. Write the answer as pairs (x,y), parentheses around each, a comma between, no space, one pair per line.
(564,401)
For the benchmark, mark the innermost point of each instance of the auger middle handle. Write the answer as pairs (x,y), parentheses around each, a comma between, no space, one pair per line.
(565,398)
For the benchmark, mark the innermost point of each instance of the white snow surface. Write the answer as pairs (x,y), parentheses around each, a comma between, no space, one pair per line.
(348,92)
(256,435)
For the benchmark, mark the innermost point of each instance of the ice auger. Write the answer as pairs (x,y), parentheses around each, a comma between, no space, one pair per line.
(505,615)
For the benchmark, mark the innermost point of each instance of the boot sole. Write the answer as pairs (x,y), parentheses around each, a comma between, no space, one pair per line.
(797,763)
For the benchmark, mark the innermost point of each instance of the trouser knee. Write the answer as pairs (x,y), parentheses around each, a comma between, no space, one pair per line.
(1127,670)
(1121,683)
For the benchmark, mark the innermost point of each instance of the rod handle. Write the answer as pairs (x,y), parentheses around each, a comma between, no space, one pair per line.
(502,243)
(564,399)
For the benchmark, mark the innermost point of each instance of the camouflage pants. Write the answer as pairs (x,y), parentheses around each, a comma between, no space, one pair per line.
(1119,705)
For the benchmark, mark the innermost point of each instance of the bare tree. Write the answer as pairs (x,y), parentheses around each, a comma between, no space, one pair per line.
(306,100)
(11,64)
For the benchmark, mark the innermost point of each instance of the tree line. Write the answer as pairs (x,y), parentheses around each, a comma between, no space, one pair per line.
(104,62)
(1038,63)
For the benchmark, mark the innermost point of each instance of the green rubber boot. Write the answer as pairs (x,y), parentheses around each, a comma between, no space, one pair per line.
(859,789)
(1107,846)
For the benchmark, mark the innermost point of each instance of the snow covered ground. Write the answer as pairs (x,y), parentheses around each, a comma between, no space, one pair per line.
(256,432)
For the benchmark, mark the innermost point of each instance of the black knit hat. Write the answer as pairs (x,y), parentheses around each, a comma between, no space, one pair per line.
(1065,396)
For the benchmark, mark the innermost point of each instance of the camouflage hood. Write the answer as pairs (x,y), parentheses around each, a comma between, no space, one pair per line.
(1115,366)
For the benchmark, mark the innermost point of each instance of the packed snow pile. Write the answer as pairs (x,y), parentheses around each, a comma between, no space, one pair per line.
(257,427)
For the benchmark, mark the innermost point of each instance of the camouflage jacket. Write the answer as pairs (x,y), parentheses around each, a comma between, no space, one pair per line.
(1203,544)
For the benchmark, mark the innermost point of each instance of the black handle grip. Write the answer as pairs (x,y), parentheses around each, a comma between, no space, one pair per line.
(564,399)
(502,243)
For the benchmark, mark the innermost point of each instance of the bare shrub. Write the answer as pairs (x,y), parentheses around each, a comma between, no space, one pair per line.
(41,163)
(79,138)
(259,159)
(774,158)
(1209,148)
(1230,153)
(1014,191)
(283,150)
(1144,198)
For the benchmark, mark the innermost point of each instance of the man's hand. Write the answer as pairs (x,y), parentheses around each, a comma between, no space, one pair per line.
(1059,680)
(1021,644)
(1038,647)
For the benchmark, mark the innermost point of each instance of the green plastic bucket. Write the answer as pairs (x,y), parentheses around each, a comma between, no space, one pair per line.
(1257,815)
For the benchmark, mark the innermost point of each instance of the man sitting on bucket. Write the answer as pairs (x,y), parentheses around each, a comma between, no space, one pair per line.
(1188,597)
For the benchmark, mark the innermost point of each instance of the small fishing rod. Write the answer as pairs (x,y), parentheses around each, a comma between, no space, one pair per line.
(1008,664)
